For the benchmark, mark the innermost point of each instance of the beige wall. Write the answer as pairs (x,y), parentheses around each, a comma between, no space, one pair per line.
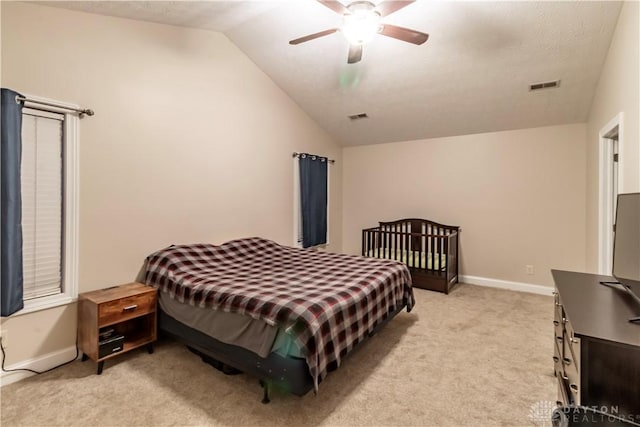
(191,142)
(618,91)
(518,196)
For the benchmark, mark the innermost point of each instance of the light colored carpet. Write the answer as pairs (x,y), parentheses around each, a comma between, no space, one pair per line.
(478,356)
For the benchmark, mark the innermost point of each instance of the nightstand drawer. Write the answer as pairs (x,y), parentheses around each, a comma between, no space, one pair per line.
(125,308)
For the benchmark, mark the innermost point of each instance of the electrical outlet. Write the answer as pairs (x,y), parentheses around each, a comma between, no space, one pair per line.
(528,269)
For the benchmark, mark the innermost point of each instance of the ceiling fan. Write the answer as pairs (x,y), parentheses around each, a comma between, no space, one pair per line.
(361,22)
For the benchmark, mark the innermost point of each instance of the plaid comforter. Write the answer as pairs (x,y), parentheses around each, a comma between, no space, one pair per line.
(327,302)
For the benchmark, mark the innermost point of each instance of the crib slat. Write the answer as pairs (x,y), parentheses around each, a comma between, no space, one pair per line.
(433,247)
(437,242)
(403,239)
(368,239)
(404,243)
(383,249)
(395,245)
(410,246)
(443,233)
(388,244)
(420,239)
(428,241)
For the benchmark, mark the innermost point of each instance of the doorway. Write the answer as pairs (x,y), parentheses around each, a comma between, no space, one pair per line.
(609,161)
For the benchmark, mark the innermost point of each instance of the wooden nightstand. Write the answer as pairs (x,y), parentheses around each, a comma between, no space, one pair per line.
(116,320)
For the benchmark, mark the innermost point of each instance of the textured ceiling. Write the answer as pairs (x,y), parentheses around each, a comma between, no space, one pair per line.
(471,76)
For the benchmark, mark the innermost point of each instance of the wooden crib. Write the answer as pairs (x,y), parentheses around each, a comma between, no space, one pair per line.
(429,249)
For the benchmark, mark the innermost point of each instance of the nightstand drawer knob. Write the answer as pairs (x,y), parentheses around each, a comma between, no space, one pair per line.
(130,307)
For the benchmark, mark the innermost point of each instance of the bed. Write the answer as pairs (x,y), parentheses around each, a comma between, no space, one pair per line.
(429,249)
(285,315)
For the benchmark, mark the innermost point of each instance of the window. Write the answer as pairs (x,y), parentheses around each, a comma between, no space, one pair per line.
(297,204)
(49,208)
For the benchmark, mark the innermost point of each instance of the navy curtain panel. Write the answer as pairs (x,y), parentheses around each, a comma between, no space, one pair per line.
(313,200)
(11,224)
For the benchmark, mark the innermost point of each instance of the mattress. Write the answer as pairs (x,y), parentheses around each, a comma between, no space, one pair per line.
(412,258)
(326,302)
(231,328)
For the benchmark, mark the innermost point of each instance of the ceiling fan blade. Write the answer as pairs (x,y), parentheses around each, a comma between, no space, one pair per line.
(313,36)
(404,34)
(336,6)
(355,53)
(389,6)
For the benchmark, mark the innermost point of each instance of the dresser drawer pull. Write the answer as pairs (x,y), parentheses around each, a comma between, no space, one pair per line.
(573,387)
(565,377)
(556,359)
(559,339)
(555,322)
(566,361)
(130,307)
(575,341)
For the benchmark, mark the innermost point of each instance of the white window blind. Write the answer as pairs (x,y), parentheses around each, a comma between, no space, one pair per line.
(42,184)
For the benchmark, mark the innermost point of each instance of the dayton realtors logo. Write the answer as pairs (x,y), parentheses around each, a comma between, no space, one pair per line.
(547,413)
(540,412)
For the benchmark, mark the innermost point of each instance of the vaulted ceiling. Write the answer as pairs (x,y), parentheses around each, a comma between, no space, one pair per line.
(471,76)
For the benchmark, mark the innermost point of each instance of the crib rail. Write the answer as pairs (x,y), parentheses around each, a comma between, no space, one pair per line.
(423,242)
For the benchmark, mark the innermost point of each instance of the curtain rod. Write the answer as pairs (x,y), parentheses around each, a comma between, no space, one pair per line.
(313,156)
(80,111)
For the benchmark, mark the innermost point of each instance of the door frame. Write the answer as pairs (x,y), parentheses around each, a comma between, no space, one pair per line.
(605,199)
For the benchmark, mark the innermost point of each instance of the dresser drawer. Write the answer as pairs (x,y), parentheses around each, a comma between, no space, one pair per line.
(557,317)
(125,308)
(557,357)
(563,398)
(574,390)
(571,344)
(557,306)
(572,377)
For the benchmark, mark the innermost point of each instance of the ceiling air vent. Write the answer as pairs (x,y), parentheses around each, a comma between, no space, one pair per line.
(545,85)
(359,116)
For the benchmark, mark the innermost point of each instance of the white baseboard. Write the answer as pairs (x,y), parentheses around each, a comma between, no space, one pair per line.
(40,363)
(504,284)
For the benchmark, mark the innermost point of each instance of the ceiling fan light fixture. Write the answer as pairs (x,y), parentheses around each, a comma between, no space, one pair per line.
(361,25)
(361,22)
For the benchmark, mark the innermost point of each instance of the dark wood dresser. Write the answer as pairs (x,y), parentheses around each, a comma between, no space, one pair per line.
(597,350)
